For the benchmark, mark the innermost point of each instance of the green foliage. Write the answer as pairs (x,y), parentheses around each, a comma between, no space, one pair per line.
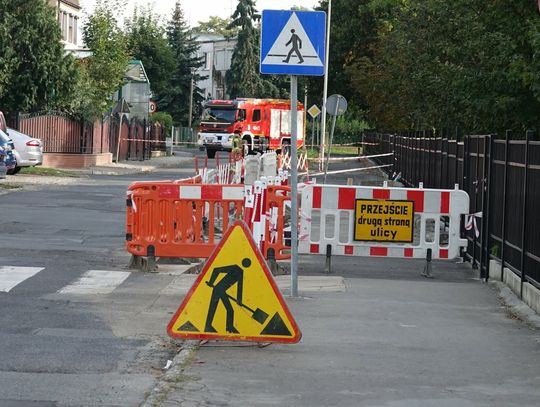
(472,65)
(495,250)
(176,98)
(163,118)
(33,66)
(348,129)
(244,79)
(353,31)
(147,42)
(216,25)
(103,72)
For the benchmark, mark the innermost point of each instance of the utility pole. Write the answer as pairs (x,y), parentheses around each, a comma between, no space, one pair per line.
(325,89)
(190,101)
(305,97)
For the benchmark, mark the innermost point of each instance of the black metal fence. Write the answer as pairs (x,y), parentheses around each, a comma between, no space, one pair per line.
(502,178)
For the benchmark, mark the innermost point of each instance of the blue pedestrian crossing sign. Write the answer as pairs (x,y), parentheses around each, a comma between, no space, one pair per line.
(293,42)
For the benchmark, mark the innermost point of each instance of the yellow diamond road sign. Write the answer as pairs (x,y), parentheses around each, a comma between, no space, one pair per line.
(235,297)
(314,111)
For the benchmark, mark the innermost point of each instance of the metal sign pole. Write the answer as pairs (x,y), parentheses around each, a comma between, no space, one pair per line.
(335,113)
(294,186)
(313,119)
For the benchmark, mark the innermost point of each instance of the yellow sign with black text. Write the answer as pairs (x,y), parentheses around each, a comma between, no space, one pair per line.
(235,297)
(383,221)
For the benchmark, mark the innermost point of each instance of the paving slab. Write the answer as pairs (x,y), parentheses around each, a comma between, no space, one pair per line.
(383,341)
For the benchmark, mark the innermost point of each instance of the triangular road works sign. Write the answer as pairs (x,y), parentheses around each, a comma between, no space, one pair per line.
(235,297)
(301,50)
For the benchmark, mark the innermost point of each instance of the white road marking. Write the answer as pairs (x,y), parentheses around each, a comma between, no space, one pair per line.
(11,276)
(96,282)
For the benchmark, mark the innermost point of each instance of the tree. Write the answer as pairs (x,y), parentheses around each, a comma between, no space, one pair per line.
(243,78)
(103,72)
(147,42)
(33,67)
(353,31)
(216,25)
(176,99)
(472,65)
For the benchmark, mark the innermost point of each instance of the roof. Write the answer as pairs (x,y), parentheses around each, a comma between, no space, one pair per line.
(210,37)
(135,72)
(72,3)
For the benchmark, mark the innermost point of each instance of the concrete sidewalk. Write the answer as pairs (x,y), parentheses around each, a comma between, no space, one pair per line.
(375,333)
(134,167)
(391,338)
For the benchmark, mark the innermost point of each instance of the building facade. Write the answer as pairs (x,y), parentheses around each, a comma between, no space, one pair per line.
(216,52)
(69,14)
(136,90)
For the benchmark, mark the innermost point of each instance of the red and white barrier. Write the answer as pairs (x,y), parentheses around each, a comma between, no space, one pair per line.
(355,158)
(328,218)
(284,161)
(220,192)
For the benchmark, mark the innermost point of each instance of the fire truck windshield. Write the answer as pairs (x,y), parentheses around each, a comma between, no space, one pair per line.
(214,114)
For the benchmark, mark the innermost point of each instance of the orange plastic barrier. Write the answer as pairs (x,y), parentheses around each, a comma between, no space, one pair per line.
(276,196)
(179,218)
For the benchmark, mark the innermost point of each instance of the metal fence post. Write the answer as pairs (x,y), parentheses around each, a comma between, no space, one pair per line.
(477,189)
(528,138)
(484,252)
(466,180)
(505,184)
(394,155)
(456,164)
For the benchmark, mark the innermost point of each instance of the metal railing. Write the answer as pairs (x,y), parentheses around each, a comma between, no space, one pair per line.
(501,176)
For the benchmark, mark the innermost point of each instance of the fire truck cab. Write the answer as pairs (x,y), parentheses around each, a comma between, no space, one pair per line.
(261,125)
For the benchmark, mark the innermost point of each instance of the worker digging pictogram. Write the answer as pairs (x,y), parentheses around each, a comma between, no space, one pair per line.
(235,297)
(233,275)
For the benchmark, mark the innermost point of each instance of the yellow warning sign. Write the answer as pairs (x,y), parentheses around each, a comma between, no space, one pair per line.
(384,221)
(235,297)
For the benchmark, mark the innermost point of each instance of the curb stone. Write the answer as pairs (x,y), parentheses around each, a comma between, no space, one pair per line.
(515,305)
(168,381)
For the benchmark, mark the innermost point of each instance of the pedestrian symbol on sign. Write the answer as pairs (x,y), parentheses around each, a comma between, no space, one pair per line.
(296,46)
(291,40)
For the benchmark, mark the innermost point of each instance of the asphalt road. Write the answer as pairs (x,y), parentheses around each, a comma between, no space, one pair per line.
(71,349)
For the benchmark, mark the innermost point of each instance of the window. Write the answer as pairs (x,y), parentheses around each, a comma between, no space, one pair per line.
(241,115)
(217,115)
(256,115)
(75,29)
(70,29)
(64,25)
(206,60)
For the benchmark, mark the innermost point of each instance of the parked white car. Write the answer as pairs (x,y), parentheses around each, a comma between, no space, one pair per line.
(28,151)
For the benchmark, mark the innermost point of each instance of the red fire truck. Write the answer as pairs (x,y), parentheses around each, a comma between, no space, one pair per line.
(261,125)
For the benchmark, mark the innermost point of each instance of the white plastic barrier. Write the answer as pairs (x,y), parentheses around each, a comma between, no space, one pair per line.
(252,168)
(269,164)
(386,222)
